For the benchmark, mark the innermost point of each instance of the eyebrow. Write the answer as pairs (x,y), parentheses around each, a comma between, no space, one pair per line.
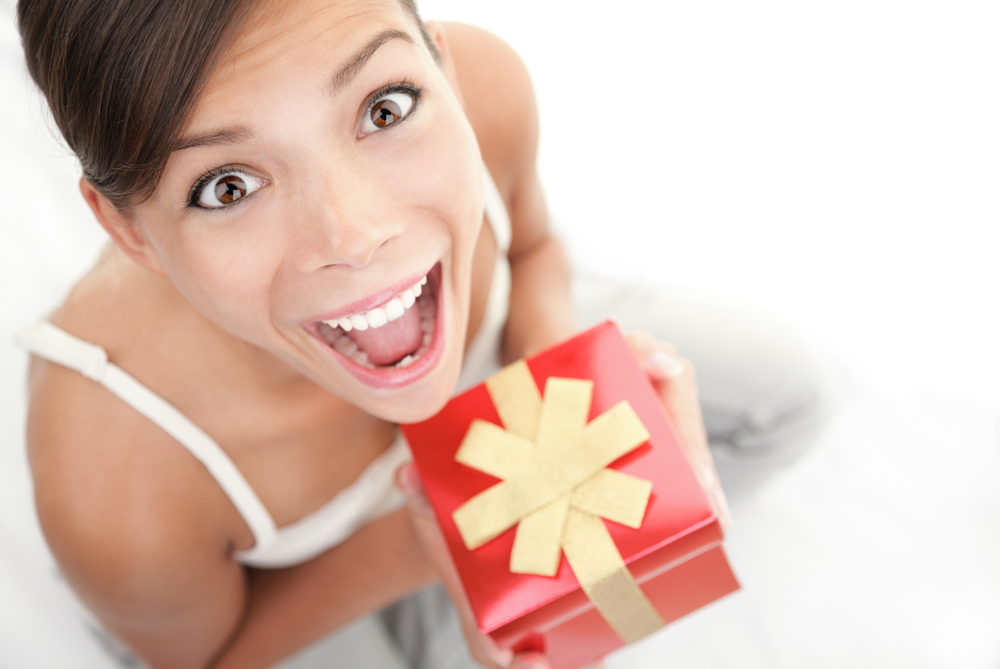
(234,136)
(345,75)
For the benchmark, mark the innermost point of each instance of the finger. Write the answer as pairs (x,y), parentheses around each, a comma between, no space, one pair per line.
(484,650)
(717,496)
(673,378)
(409,482)
(642,344)
(661,365)
(658,359)
(530,661)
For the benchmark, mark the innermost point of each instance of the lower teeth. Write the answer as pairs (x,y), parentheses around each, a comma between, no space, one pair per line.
(345,346)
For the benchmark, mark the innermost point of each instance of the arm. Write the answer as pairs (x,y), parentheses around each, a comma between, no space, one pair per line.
(145,535)
(541,312)
(500,104)
(673,379)
(288,609)
(184,605)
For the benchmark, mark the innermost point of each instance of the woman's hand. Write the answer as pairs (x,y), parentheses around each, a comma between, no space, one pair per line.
(483,649)
(673,379)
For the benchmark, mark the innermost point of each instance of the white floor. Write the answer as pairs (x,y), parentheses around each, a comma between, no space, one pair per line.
(835,165)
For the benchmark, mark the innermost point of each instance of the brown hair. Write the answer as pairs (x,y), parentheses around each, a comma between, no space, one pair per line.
(121,77)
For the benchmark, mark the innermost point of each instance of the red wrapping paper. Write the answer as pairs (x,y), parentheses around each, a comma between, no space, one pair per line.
(675,556)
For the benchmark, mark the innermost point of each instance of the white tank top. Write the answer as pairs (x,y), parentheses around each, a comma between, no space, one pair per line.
(372,495)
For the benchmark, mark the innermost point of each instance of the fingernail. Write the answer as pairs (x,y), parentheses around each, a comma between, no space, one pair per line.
(401,475)
(663,365)
(408,481)
(709,474)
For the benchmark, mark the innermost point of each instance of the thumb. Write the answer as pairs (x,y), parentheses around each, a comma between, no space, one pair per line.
(409,482)
(530,661)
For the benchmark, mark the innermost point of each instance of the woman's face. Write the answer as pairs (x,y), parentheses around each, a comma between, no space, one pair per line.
(327,176)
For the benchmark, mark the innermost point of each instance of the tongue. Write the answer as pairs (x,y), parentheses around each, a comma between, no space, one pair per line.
(393,341)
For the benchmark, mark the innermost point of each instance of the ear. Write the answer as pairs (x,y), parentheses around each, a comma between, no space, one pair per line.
(440,38)
(125,232)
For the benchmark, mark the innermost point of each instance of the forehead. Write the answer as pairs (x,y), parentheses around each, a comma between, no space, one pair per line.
(296,38)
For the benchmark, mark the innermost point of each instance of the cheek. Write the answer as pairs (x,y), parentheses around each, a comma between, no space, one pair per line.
(447,178)
(226,276)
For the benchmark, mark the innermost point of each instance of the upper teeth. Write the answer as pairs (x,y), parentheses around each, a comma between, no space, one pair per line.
(379,316)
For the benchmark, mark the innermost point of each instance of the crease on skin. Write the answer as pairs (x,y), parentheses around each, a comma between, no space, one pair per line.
(273,25)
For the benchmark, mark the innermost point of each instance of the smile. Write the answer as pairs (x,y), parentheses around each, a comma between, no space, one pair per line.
(379,316)
(394,342)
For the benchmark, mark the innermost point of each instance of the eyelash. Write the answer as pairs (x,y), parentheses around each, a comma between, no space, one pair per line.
(404,86)
(204,180)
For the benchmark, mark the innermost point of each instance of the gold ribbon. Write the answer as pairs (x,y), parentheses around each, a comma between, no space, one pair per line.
(556,488)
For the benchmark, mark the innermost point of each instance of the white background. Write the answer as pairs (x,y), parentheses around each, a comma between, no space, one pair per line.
(837,163)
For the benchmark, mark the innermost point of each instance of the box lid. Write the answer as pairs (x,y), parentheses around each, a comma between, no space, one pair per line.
(677,506)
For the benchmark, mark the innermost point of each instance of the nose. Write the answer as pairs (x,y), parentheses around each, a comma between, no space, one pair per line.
(345,221)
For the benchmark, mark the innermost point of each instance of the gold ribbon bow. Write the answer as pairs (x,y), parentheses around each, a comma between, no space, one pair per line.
(556,487)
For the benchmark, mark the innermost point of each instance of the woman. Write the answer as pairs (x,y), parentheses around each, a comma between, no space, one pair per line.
(295,192)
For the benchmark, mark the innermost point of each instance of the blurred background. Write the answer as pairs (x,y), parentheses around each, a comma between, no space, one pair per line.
(835,164)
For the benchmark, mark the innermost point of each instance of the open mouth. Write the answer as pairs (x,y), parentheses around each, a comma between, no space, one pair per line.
(397,334)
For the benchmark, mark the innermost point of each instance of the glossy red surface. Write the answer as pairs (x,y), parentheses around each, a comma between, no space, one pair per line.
(678,531)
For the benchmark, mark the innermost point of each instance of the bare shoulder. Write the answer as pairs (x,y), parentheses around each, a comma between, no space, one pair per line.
(119,507)
(499,102)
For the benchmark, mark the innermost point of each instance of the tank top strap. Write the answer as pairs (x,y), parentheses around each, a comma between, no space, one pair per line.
(496,212)
(48,341)
(482,357)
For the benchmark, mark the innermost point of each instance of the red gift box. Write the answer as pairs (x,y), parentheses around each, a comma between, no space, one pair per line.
(675,555)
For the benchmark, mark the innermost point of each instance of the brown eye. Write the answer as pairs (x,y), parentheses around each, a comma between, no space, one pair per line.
(386,112)
(388,109)
(225,189)
(230,188)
